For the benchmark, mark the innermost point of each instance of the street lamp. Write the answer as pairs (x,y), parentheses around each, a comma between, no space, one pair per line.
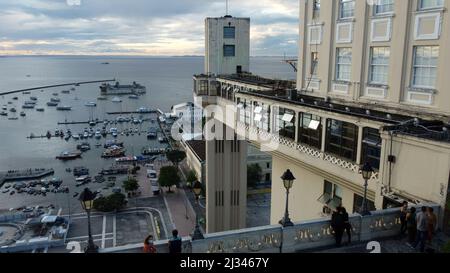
(197,189)
(366,172)
(87,202)
(288,180)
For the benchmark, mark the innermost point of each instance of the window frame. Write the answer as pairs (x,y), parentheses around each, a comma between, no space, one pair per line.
(339,64)
(376,6)
(342,3)
(415,67)
(226,32)
(309,136)
(225,46)
(338,148)
(372,65)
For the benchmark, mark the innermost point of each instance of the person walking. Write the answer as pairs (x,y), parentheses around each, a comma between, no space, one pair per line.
(411,225)
(149,247)
(175,242)
(403,213)
(337,223)
(347,225)
(432,223)
(422,229)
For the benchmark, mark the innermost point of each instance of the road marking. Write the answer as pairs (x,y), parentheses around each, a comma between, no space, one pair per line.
(170,214)
(114,231)
(103,231)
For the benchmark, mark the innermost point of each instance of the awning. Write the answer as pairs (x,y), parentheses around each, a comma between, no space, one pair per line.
(314,124)
(258,109)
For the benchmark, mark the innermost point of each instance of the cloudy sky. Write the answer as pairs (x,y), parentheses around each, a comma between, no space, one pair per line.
(138,27)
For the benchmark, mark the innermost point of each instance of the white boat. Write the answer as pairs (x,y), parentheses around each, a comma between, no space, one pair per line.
(102,98)
(86,135)
(91,104)
(133,97)
(76,136)
(55,100)
(116,99)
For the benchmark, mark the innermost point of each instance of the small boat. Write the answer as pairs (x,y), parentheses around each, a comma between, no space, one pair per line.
(55,94)
(11,193)
(64,108)
(114,151)
(76,136)
(67,137)
(22,114)
(69,155)
(102,98)
(75,194)
(40,109)
(86,135)
(26,92)
(98,135)
(91,104)
(133,97)
(116,99)
(15,98)
(105,63)
(33,98)
(9,102)
(114,134)
(92,123)
(73,88)
(65,92)
(69,170)
(98,145)
(13,118)
(55,100)
(3,113)
(4,107)
(51,103)
(28,106)
(12,110)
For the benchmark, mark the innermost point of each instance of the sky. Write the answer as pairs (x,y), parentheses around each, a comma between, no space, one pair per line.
(139,27)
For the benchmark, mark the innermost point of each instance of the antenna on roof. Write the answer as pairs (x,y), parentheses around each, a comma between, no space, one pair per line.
(226,11)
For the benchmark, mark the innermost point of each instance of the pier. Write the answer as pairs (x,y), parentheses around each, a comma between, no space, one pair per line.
(132,112)
(15,175)
(52,86)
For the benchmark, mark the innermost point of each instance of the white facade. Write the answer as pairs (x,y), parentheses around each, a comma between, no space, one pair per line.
(227,45)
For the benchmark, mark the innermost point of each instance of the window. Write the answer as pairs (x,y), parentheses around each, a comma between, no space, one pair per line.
(316,9)
(358,202)
(425,66)
(346,9)
(261,116)
(268,165)
(314,63)
(344,64)
(379,65)
(342,139)
(332,196)
(242,110)
(371,147)
(383,6)
(229,51)
(429,4)
(229,32)
(285,126)
(310,130)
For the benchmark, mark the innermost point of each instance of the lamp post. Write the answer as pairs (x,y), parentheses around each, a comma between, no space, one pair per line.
(87,201)
(366,172)
(288,180)
(197,189)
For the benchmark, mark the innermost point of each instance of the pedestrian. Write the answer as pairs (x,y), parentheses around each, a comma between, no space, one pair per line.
(347,225)
(422,229)
(175,242)
(403,213)
(337,223)
(432,223)
(411,225)
(149,247)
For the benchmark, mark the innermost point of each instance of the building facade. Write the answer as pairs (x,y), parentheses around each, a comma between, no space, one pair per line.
(371,88)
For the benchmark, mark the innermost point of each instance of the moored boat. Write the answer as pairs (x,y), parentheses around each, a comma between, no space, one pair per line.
(64,108)
(69,155)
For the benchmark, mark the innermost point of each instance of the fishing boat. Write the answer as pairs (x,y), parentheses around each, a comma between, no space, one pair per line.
(22,114)
(84,147)
(111,143)
(91,104)
(69,155)
(116,99)
(114,151)
(51,103)
(64,108)
(55,100)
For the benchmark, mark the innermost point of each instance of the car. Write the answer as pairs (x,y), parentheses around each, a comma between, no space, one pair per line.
(116,190)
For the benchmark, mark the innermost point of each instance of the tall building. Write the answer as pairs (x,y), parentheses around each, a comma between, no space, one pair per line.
(371,88)
(227,45)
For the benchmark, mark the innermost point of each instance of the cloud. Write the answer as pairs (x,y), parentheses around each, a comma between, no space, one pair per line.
(138,27)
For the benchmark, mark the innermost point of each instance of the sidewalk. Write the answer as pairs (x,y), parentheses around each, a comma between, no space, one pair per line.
(181,211)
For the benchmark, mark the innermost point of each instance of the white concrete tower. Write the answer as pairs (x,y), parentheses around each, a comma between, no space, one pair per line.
(227,45)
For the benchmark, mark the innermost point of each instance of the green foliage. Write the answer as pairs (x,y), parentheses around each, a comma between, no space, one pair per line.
(130,185)
(175,156)
(191,177)
(115,201)
(168,177)
(254,174)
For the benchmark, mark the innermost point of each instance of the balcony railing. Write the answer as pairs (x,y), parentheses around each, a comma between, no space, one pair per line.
(303,236)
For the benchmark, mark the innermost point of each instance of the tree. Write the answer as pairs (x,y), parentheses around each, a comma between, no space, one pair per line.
(176,156)
(191,177)
(168,177)
(254,174)
(130,185)
(115,201)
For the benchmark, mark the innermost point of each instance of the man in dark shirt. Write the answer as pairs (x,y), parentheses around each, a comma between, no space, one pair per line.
(175,243)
